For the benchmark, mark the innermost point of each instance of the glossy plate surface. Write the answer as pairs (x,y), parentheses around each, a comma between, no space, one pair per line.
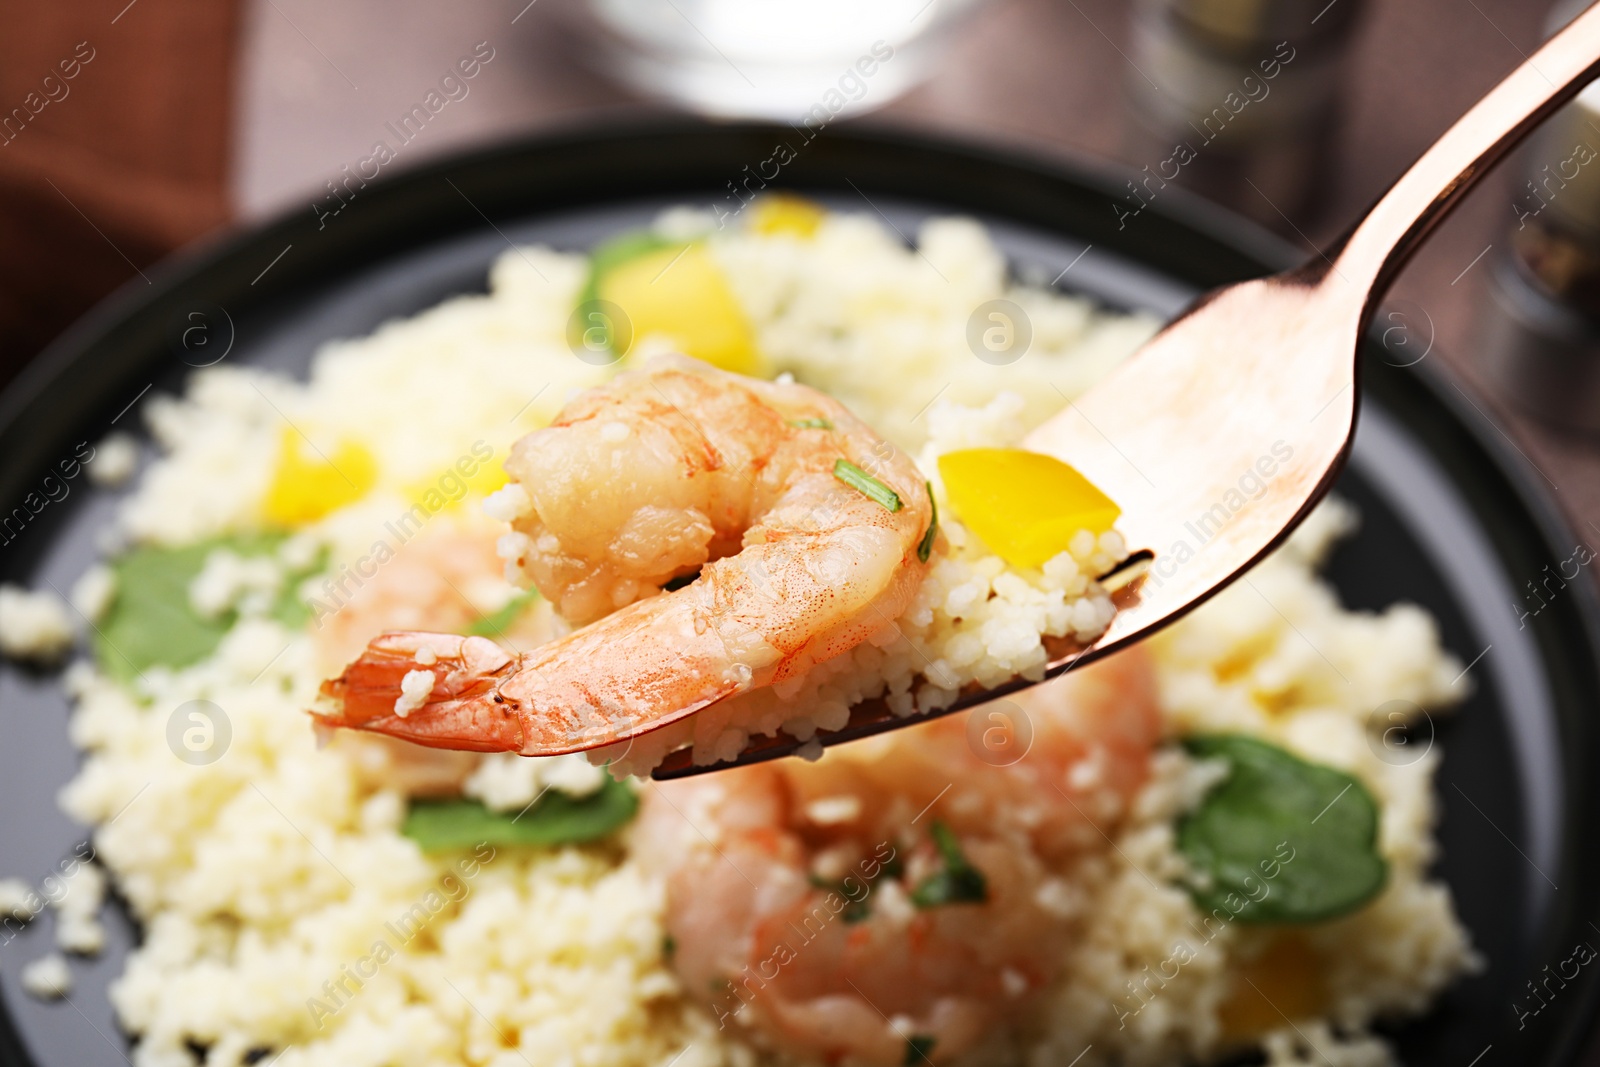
(1453,518)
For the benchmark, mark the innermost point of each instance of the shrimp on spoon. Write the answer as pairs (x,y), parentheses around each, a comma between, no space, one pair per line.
(809,534)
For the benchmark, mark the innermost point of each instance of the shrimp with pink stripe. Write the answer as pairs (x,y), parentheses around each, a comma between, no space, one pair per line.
(800,534)
(908,897)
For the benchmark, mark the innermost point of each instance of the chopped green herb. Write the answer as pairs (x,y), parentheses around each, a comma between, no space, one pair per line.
(496,623)
(680,581)
(854,910)
(811,424)
(866,484)
(925,548)
(894,868)
(669,946)
(1280,840)
(150,622)
(958,883)
(609,255)
(554,819)
(918,1048)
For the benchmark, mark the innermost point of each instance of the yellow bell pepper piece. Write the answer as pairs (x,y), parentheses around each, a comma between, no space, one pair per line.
(1025,506)
(1287,981)
(307,485)
(782,213)
(455,490)
(680,293)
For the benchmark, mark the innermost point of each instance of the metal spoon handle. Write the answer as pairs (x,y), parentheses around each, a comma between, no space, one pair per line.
(1381,244)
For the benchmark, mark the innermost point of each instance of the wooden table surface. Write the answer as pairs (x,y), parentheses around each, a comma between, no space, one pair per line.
(319,81)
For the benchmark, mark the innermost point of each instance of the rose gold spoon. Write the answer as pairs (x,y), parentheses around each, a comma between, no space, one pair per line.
(1255,381)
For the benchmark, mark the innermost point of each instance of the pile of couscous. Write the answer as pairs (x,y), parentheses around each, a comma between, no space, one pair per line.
(295,909)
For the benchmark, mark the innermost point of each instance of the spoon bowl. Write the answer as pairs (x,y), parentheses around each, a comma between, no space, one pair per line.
(1219,436)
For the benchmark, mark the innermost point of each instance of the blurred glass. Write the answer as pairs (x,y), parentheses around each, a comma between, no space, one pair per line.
(1239,100)
(791,60)
(1539,331)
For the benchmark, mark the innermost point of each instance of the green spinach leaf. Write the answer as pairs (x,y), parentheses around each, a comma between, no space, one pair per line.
(150,622)
(496,623)
(554,819)
(1280,840)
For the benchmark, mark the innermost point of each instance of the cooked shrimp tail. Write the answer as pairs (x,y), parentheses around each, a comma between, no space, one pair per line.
(579,693)
(459,711)
(805,528)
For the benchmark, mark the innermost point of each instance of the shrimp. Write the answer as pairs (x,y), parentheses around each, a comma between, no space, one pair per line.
(799,904)
(426,583)
(430,582)
(810,534)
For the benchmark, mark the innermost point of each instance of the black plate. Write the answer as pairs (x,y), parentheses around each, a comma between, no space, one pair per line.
(1454,519)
